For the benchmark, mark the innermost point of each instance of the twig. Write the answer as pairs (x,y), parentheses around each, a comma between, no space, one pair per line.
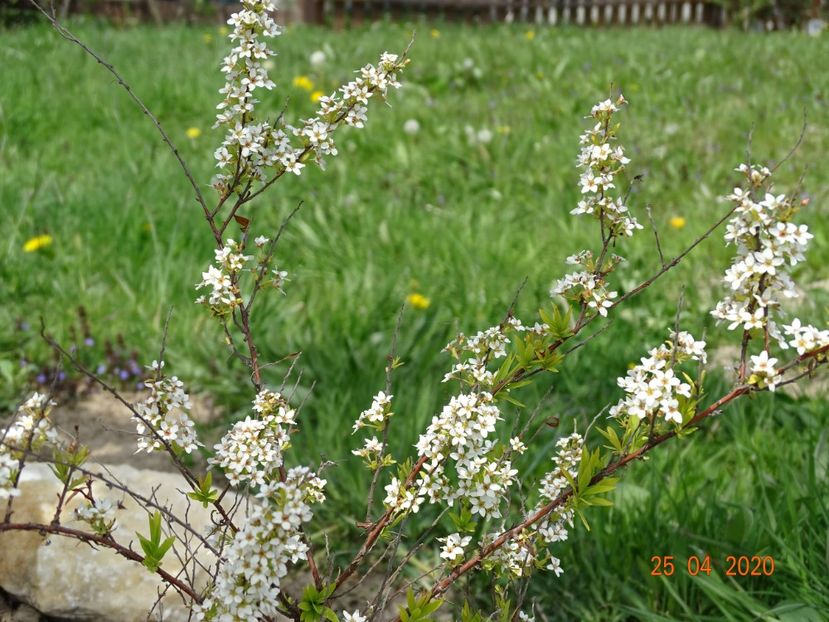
(655,236)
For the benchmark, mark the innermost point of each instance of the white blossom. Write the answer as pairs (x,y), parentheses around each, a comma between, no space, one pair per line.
(377,414)
(165,411)
(602,162)
(411,126)
(99,514)
(222,280)
(804,339)
(653,387)
(768,245)
(763,371)
(256,560)
(317,58)
(251,451)
(257,151)
(8,473)
(453,547)
(30,430)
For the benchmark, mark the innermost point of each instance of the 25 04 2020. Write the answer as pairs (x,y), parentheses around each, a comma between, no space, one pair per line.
(735,565)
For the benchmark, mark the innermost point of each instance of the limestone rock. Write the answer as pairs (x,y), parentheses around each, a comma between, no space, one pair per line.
(68,579)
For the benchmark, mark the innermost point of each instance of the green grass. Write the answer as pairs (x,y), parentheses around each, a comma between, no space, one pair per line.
(461,224)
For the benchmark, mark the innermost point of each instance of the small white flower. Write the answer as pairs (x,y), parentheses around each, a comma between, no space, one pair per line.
(411,126)
(484,136)
(555,566)
(317,58)
(453,547)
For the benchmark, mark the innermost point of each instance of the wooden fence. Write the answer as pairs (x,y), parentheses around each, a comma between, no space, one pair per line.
(344,13)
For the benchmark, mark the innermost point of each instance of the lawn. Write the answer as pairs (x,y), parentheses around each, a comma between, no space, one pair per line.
(461,221)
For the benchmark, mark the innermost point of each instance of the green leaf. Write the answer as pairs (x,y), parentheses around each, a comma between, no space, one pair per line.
(602,487)
(154,549)
(612,437)
(504,395)
(205,494)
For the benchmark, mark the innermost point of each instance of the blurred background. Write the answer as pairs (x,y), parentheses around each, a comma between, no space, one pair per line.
(444,203)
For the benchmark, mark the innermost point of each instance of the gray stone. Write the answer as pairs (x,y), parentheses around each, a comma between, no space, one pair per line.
(65,578)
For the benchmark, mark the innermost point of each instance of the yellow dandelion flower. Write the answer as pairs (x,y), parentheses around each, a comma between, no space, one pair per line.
(418,301)
(304,83)
(223,31)
(435,33)
(504,129)
(529,35)
(193,132)
(316,95)
(677,222)
(37,242)
(207,37)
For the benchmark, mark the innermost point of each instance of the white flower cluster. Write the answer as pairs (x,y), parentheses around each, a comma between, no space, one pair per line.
(256,560)
(458,436)
(377,415)
(31,427)
(349,106)
(515,558)
(461,461)
(250,149)
(8,473)
(30,430)
(805,339)
(588,286)
(602,162)
(354,616)
(373,454)
(222,279)
(99,514)
(522,554)
(653,388)
(454,546)
(251,451)
(166,412)
(245,71)
(768,244)
(554,527)
(475,352)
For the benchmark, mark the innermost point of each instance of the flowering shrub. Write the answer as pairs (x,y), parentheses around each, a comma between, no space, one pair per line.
(463,474)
